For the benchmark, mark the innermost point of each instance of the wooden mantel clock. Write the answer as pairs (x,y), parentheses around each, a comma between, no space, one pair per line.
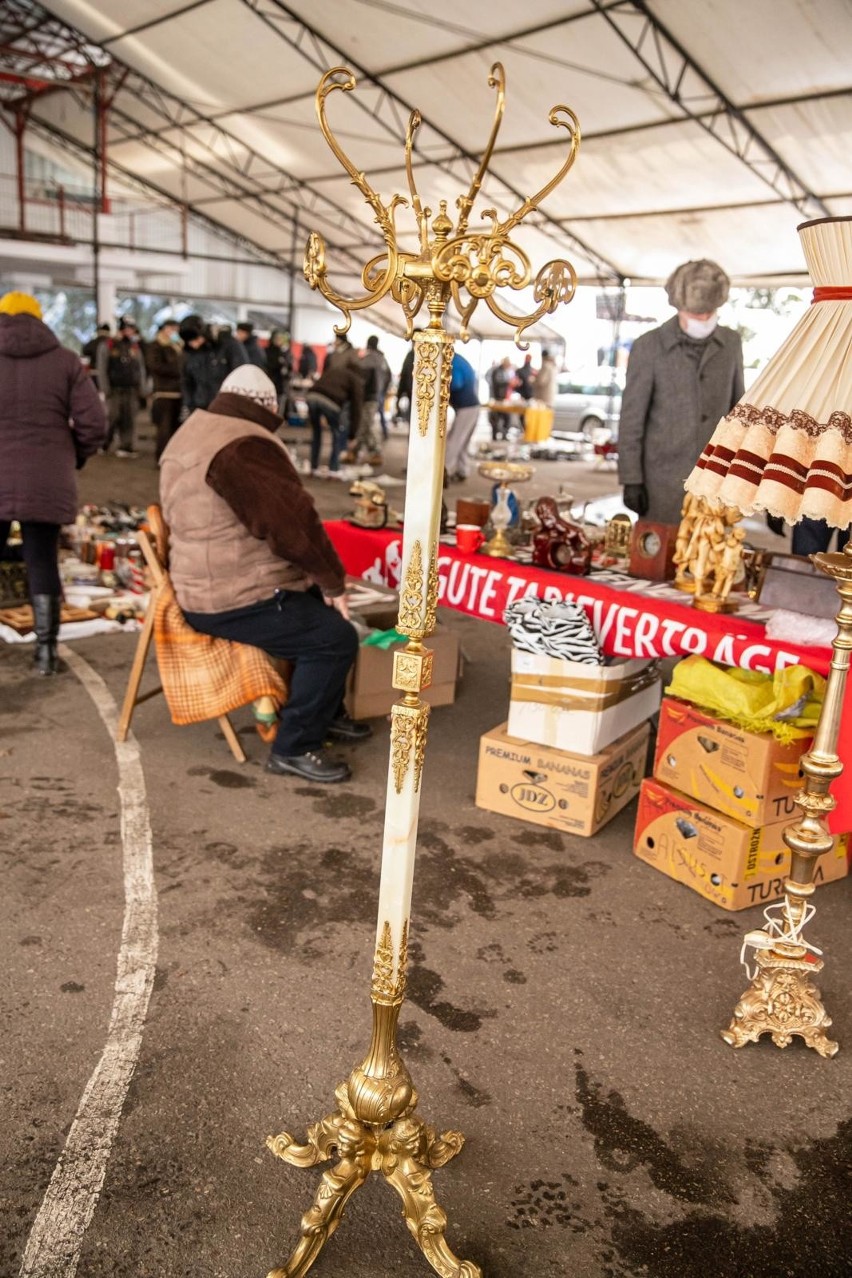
(651,550)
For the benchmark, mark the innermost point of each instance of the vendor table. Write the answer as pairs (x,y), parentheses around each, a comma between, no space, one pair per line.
(629,622)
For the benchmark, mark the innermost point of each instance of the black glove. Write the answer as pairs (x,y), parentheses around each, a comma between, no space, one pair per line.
(636,498)
(775,524)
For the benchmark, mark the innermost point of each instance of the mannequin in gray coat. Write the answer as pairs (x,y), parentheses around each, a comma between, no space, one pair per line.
(682,378)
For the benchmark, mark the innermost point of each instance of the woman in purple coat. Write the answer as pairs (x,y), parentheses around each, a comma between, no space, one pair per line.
(51,420)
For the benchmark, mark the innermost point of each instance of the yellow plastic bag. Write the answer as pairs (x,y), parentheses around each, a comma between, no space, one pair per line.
(786,703)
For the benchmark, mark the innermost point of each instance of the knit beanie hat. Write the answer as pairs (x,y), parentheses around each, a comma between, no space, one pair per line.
(19,304)
(251,381)
(698,287)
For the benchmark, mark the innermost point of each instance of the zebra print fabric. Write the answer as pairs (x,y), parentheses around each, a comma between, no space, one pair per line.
(553,630)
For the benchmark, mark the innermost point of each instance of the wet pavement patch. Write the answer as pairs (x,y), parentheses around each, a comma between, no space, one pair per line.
(341,803)
(424,987)
(72,987)
(542,1204)
(474,834)
(810,1234)
(540,838)
(232,780)
(298,902)
(623,1142)
(563,880)
(410,1040)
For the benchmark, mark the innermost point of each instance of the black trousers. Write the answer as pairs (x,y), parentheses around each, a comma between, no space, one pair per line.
(301,627)
(813,537)
(41,551)
(165,417)
(121,409)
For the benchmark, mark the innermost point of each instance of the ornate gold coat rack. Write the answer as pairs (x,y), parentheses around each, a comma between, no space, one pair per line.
(375,1126)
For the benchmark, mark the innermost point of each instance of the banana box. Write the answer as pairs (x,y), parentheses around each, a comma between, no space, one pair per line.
(729,863)
(747,775)
(575,793)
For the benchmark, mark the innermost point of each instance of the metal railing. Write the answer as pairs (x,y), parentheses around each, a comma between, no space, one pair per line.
(50,210)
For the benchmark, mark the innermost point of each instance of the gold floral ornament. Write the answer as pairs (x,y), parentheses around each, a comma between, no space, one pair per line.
(454,263)
(315,260)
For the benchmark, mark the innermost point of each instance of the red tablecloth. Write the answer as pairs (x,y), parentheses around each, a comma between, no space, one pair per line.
(628,624)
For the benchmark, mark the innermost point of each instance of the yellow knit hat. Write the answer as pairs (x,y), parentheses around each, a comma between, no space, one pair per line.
(19,304)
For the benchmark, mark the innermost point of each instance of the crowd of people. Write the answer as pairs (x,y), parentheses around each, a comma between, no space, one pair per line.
(179,370)
(183,366)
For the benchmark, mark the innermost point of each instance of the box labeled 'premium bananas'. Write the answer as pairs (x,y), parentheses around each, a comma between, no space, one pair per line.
(575,793)
(729,863)
(747,775)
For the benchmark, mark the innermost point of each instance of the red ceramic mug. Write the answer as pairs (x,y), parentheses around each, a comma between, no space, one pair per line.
(469,538)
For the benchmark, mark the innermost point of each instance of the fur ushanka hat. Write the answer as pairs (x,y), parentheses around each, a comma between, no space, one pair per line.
(698,287)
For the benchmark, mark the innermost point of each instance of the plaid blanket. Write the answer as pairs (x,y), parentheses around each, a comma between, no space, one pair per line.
(204,677)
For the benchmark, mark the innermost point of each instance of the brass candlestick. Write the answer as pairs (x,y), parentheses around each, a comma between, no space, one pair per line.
(375,1126)
(782,1000)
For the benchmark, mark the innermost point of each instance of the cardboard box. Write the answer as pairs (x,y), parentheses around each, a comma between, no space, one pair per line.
(578,707)
(369,692)
(747,775)
(729,863)
(574,793)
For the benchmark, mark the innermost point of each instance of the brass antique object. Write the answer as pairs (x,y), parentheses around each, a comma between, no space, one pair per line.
(619,532)
(371,509)
(375,1125)
(503,473)
(782,1000)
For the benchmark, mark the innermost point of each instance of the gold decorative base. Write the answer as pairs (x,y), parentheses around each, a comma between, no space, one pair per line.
(711,603)
(686,584)
(405,1152)
(782,1002)
(499,545)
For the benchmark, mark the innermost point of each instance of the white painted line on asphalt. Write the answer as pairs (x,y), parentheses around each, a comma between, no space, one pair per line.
(54,1245)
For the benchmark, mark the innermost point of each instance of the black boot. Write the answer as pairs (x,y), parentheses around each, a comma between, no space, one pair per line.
(46,610)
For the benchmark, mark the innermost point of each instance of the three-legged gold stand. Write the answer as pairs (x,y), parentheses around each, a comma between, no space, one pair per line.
(375,1128)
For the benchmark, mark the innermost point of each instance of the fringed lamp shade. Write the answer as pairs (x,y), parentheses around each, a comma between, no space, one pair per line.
(786,447)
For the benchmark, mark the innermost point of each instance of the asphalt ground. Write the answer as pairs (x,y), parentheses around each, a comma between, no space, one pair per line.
(563,1008)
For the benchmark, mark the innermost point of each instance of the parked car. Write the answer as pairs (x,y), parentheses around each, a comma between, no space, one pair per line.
(587,405)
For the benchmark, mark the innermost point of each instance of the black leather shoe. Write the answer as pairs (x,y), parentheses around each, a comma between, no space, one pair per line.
(345,729)
(313,765)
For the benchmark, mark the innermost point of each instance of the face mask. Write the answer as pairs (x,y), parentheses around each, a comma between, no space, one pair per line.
(699,328)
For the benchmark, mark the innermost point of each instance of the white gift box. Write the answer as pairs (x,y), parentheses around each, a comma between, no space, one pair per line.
(577,707)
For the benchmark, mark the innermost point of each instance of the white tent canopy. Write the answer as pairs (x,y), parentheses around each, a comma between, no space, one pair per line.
(711,128)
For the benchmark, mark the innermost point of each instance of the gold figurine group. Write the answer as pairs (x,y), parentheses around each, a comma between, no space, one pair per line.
(708,553)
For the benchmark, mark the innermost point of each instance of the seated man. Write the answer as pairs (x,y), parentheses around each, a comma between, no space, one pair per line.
(250,561)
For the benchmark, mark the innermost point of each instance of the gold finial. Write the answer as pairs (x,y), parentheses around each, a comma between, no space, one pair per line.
(442,225)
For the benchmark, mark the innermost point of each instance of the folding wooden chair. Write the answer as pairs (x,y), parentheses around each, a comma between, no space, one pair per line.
(156,551)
